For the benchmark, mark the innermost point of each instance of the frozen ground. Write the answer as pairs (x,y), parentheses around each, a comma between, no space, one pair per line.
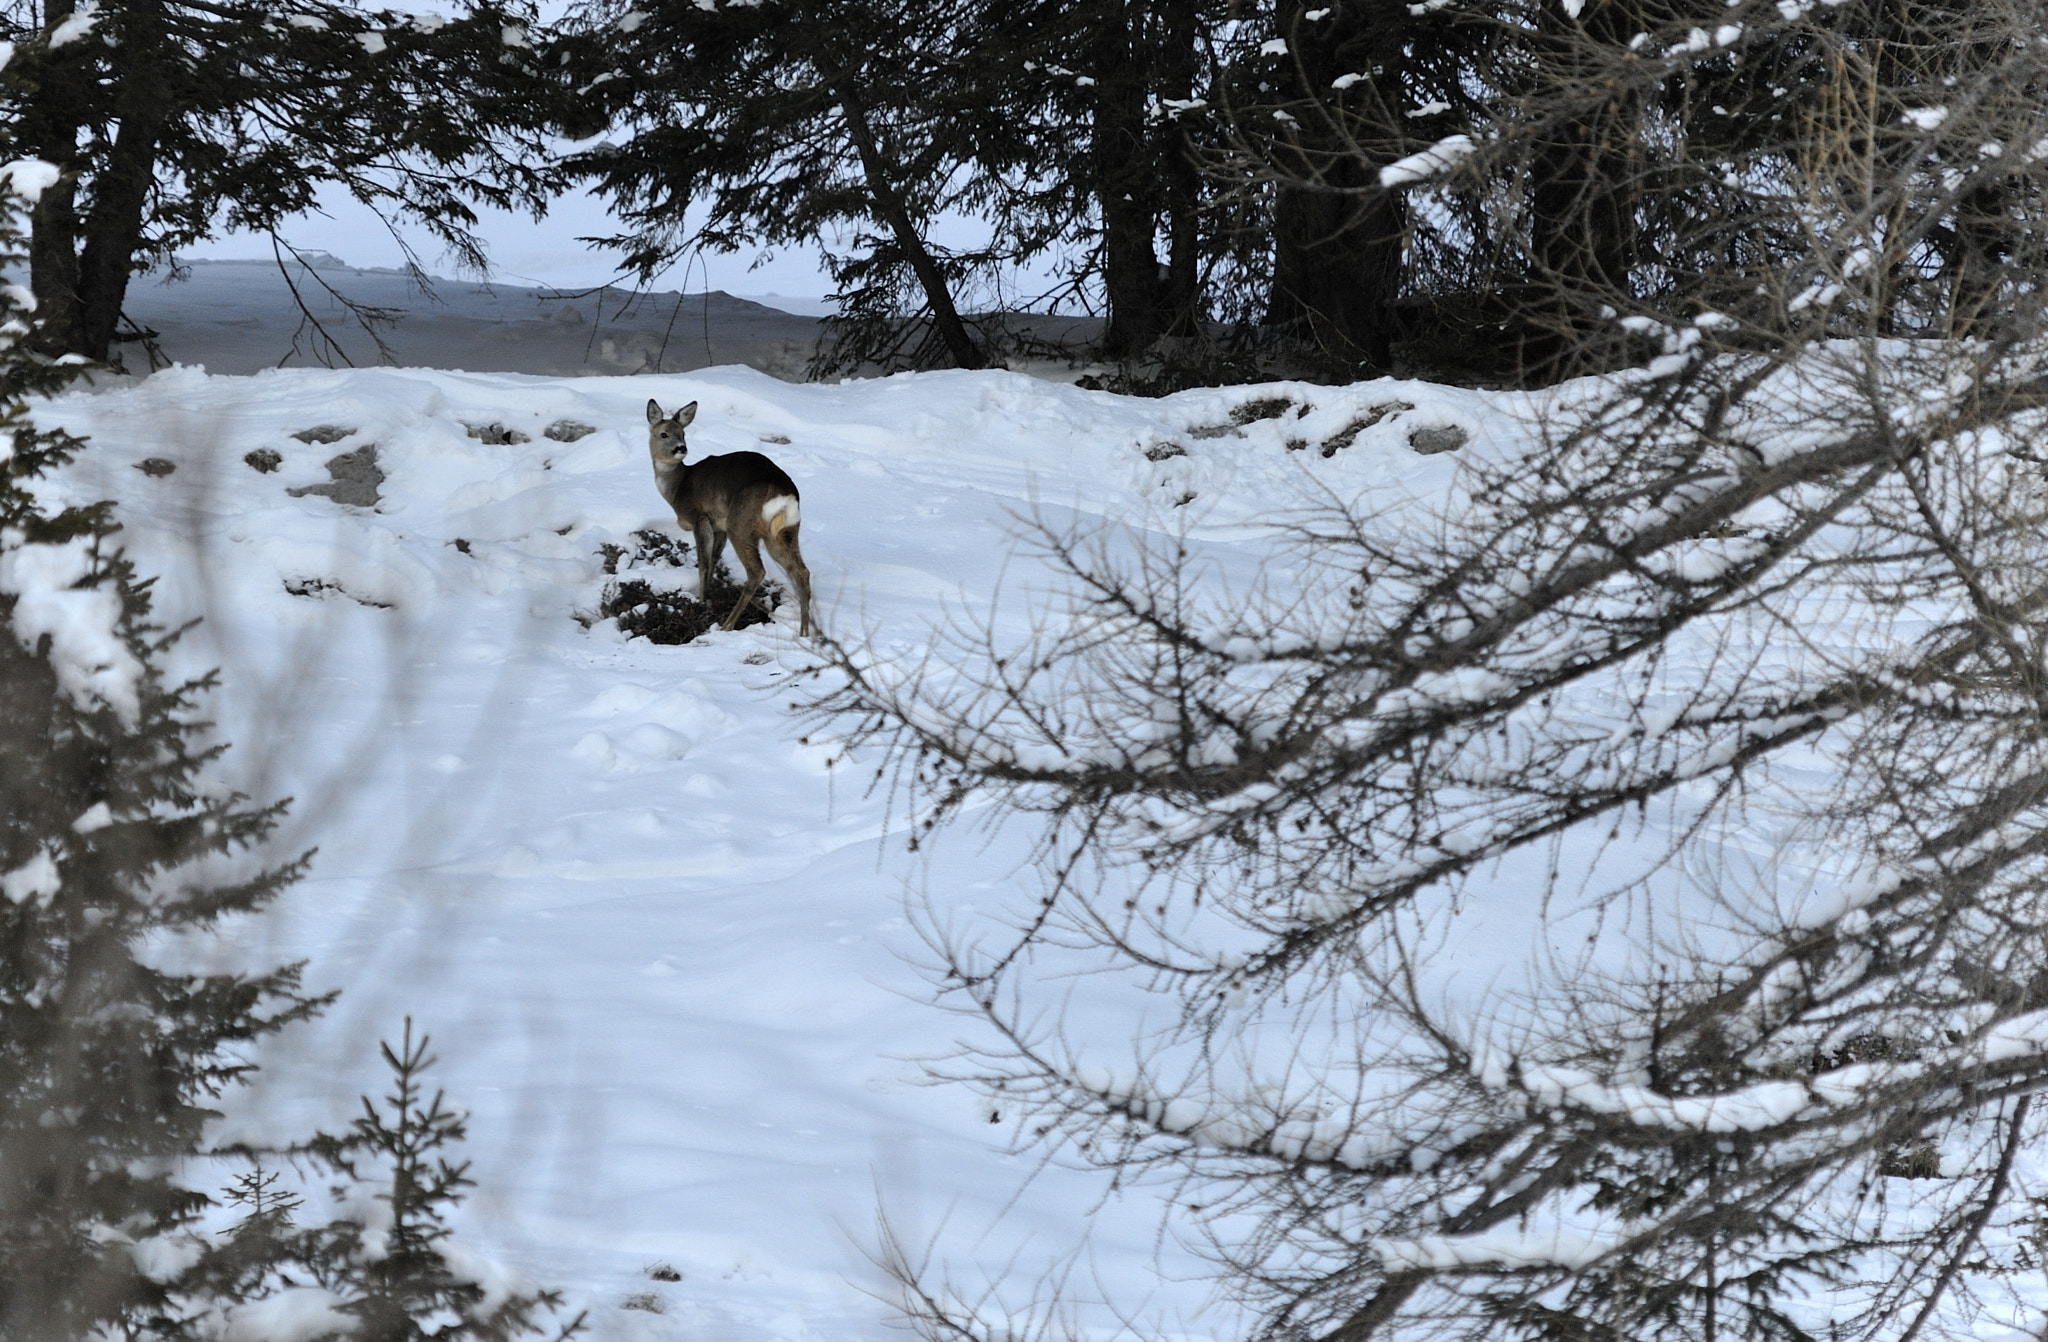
(659,939)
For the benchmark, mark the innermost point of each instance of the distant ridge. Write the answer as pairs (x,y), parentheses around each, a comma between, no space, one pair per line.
(239,316)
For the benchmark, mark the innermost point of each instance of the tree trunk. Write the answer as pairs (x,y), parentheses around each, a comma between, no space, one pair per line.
(1337,268)
(1583,230)
(1582,225)
(889,204)
(1183,290)
(1978,245)
(113,230)
(1339,241)
(48,130)
(1127,183)
(53,264)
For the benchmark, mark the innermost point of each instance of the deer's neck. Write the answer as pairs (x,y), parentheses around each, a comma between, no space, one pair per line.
(673,482)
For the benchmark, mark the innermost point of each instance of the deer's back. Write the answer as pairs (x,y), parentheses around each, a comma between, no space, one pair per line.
(725,488)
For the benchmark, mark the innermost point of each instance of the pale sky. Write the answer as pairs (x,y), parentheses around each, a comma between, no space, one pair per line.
(547,253)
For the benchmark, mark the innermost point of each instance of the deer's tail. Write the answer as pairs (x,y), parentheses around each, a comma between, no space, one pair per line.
(781,513)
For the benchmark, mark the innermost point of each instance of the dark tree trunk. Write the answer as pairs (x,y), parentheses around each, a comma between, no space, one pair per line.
(48,129)
(1583,226)
(890,206)
(1127,183)
(1337,268)
(1338,239)
(1183,293)
(1582,223)
(1975,256)
(113,230)
(1976,247)
(53,264)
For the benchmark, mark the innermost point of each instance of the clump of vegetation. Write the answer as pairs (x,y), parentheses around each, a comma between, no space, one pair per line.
(660,614)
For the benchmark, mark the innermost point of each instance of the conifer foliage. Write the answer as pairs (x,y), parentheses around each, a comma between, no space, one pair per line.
(409,1289)
(791,121)
(113,848)
(371,1276)
(108,1061)
(169,121)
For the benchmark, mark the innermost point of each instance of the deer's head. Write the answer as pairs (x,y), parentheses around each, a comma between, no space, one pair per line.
(665,434)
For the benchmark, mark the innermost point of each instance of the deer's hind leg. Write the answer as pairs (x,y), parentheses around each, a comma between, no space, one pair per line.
(747,546)
(783,548)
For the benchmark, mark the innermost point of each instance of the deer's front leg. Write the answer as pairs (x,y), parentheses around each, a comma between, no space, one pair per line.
(709,544)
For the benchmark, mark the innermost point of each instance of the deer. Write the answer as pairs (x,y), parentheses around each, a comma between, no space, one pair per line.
(741,495)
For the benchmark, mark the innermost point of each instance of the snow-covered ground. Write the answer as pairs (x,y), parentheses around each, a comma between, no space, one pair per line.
(659,939)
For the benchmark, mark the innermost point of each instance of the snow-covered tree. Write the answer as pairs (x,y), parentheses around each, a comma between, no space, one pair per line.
(117,856)
(1317,99)
(1548,162)
(1117,90)
(389,1273)
(110,1056)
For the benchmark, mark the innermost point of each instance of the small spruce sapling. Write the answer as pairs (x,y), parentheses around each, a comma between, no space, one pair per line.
(407,1289)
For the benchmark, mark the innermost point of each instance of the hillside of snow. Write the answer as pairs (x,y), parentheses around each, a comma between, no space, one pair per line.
(660,940)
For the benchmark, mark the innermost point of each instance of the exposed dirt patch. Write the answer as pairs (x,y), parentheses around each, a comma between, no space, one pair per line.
(1263,407)
(1347,435)
(1250,412)
(315,589)
(356,479)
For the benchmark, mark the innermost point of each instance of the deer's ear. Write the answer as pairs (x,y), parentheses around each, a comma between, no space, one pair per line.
(653,413)
(685,415)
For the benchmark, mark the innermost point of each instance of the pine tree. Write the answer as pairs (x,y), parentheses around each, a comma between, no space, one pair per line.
(109,1062)
(340,1279)
(1322,103)
(1135,70)
(406,1288)
(789,121)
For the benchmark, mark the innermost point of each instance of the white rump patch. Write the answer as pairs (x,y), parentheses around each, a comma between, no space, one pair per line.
(782,508)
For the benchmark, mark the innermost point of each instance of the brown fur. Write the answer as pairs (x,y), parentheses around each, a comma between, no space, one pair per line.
(723,497)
